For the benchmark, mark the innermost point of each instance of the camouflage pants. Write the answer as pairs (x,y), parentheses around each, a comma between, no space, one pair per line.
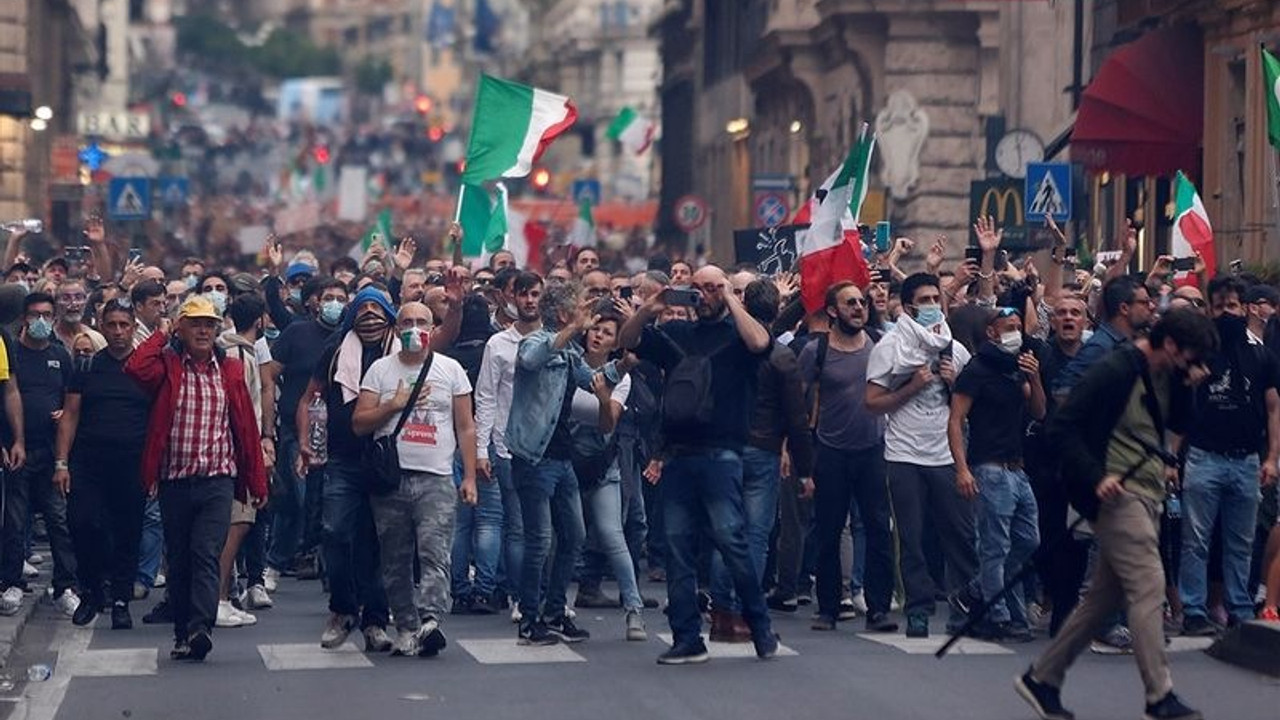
(421,512)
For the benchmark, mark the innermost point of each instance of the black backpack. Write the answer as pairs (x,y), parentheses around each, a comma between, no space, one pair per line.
(687,398)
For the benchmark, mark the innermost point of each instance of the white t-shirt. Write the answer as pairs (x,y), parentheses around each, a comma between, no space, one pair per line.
(427,442)
(916,433)
(262,350)
(586,406)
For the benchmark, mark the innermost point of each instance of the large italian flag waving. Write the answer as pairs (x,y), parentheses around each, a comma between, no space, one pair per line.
(831,250)
(1192,233)
(511,127)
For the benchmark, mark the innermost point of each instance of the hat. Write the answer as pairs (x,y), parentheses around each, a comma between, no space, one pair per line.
(244,283)
(298,269)
(1262,293)
(198,306)
(58,260)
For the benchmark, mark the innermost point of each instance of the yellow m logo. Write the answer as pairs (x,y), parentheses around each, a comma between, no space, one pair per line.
(1002,199)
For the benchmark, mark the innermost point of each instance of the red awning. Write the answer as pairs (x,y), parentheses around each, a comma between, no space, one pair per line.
(1143,113)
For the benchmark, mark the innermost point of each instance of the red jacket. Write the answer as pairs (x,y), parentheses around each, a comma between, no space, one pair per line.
(158,369)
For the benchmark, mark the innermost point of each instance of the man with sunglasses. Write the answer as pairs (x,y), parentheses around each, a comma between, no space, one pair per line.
(1108,434)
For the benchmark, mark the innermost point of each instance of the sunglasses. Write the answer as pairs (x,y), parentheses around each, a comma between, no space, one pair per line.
(1005,312)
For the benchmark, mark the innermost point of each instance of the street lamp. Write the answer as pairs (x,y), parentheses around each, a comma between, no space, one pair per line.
(796,127)
(39,125)
(737,126)
(44,112)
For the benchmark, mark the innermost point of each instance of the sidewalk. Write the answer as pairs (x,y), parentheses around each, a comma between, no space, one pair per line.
(11,627)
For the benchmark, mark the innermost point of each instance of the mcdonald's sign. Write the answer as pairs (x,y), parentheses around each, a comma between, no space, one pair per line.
(1005,200)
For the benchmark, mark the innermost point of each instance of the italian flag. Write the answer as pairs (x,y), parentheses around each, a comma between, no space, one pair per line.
(1271,72)
(511,126)
(379,232)
(1192,233)
(484,222)
(583,232)
(632,130)
(831,250)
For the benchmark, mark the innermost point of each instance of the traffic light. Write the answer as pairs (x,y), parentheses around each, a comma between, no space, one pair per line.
(540,179)
(422,104)
(321,154)
(435,133)
(178,99)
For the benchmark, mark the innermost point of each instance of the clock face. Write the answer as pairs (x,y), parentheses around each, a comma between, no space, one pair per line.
(1015,150)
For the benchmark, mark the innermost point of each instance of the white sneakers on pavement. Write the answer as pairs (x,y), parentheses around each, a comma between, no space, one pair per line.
(257,598)
(29,570)
(11,601)
(67,602)
(271,579)
(230,617)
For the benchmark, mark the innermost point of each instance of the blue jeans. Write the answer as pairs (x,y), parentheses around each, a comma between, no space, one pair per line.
(703,492)
(288,505)
(511,560)
(1008,534)
(477,536)
(603,505)
(151,547)
(635,525)
(761,476)
(1216,486)
(550,503)
(349,542)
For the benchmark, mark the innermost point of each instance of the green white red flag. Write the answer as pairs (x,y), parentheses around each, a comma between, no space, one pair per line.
(511,126)
(831,250)
(1192,233)
(632,129)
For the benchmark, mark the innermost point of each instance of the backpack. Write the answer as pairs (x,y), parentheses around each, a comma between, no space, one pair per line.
(687,399)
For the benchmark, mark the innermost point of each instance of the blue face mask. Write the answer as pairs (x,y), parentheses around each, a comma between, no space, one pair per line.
(295,295)
(40,328)
(219,300)
(331,312)
(929,315)
(271,333)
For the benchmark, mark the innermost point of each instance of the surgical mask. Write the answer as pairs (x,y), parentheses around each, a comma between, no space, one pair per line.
(271,333)
(331,312)
(40,328)
(26,288)
(929,315)
(219,300)
(295,294)
(511,310)
(1010,342)
(191,281)
(414,341)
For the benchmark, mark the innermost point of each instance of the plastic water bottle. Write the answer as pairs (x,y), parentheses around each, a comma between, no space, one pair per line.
(31,225)
(39,673)
(1173,506)
(318,430)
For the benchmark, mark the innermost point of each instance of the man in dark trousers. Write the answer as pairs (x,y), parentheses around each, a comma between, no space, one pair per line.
(1110,436)
(202,449)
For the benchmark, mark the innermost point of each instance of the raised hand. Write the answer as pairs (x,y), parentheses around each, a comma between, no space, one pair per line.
(989,236)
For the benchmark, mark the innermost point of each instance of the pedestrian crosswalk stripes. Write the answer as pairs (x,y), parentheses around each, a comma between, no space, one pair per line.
(719,650)
(310,656)
(505,651)
(128,662)
(930,645)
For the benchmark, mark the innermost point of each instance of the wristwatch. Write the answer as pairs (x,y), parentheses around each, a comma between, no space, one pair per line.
(60,465)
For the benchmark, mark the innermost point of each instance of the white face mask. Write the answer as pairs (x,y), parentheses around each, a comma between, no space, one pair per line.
(1010,342)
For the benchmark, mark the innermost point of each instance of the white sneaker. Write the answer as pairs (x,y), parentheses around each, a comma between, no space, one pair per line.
(29,570)
(860,603)
(516,615)
(406,644)
(11,601)
(271,579)
(246,619)
(228,617)
(160,582)
(67,602)
(36,558)
(256,598)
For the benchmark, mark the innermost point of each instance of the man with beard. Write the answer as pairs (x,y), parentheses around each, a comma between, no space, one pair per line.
(72,299)
(348,537)
(711,370)
(493,407)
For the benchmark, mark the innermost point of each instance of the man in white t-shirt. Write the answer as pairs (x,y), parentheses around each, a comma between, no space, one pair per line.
(909,378)
(423,507)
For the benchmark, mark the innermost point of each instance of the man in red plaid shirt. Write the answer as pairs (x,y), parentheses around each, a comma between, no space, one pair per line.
(202,449)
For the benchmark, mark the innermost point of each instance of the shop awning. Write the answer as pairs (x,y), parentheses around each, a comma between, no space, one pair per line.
(1143,113)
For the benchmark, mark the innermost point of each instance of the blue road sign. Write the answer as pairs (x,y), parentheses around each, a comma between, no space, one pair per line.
(589,189)
(172,191)
(129,198)
(1048,191)
(771,208)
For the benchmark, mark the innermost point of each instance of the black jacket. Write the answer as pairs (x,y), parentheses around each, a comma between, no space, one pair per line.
(781,412)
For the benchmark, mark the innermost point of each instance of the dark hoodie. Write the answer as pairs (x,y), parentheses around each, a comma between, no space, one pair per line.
(1230,406)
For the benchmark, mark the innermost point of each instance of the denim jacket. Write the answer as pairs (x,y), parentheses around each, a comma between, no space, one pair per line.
(538,391)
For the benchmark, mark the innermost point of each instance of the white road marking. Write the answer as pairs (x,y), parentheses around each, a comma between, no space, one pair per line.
(1188,644)
(506,652)
(128,662)
(930,645)
(731,650)
(41,700)
(310,656)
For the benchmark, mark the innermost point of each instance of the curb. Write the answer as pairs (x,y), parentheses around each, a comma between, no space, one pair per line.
(11,626)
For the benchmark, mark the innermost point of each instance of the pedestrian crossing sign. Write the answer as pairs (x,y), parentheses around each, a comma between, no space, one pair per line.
(1048,191)
(129,198)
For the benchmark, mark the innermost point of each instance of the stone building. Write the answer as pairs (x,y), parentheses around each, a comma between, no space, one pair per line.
(774,91)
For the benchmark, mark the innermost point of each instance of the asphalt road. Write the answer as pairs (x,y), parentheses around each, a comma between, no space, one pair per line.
(276,670)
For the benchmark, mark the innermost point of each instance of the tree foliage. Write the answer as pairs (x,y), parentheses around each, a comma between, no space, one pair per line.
(284,54)
(372,75)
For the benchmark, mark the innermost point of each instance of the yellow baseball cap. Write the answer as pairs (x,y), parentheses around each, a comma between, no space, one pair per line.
(198,306)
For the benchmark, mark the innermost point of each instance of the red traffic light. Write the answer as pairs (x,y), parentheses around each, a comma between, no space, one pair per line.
(541,179)
(435,133)
(179,99)
(422,104)
(321,154)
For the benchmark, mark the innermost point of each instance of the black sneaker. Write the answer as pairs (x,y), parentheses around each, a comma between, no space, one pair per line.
(917,626)
(461,606)
(689,653)
(1042,697)
(181,650)
(879,622)
(962,601)
(200,644)
(649,603)
(161,614)
(1003,632)
(120,617)
(847,611)
(768,647)
(823,622)
(563,628)
(1197,626)
(1171,708)
(430,639)
(86,612)
(782,604)
(535,633)
(593,598)
(484,607)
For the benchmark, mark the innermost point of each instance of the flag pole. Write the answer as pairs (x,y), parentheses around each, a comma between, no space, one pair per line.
(457,211)
(1275,185)
(506,206)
